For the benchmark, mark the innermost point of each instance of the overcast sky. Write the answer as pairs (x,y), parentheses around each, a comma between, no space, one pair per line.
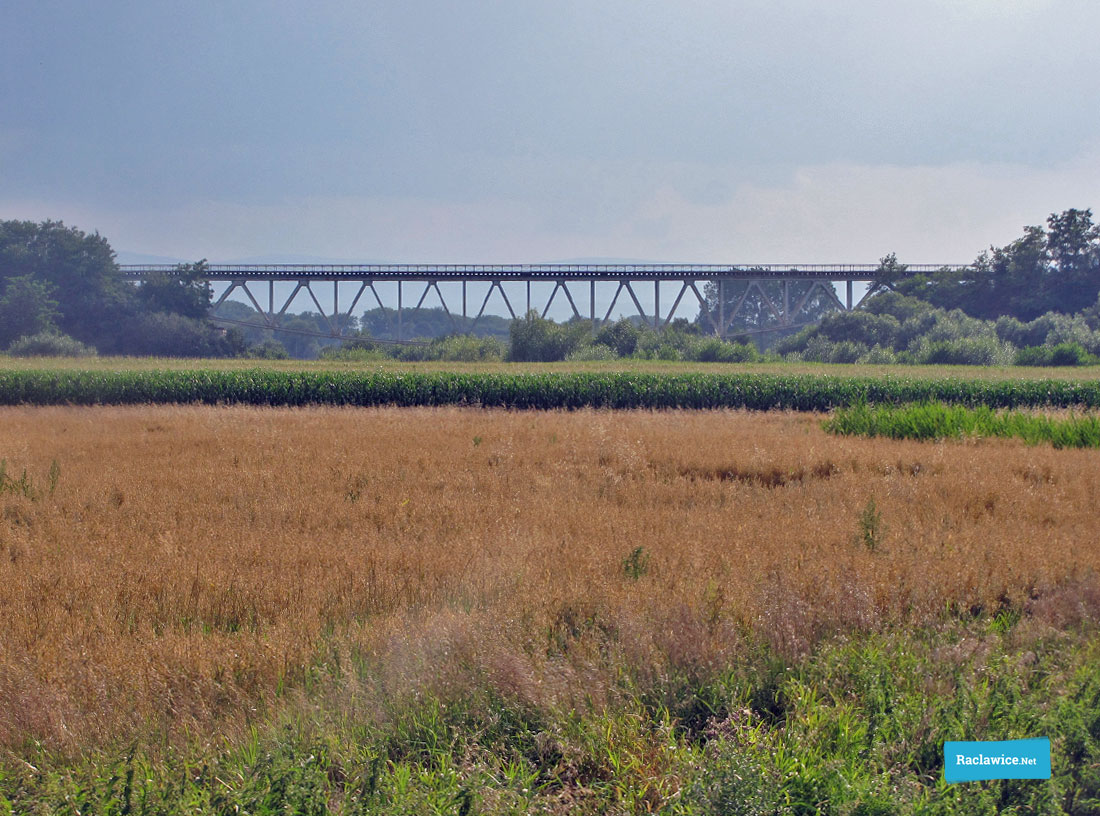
(529,130)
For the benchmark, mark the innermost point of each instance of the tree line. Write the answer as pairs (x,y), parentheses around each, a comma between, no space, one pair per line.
(1034,300)
(61,291)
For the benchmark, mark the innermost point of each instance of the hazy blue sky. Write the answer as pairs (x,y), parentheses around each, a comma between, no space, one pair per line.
(749,131)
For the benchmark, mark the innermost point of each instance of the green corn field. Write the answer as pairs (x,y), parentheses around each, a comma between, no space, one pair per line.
(556,390)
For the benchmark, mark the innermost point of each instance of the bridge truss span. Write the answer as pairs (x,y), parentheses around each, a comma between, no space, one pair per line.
(591,291)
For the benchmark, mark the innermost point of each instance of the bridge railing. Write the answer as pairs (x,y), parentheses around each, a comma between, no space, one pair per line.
(837,271)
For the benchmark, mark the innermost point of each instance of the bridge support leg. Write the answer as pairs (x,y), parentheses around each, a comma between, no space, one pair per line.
(637,303)
(721,308)
(399,310)
(849,295)
(354,302)
(657,305)
(675,304)
(702,304)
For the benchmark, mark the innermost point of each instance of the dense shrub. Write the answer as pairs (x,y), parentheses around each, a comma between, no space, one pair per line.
(596,352)
(359,349)
(355,354)
(889,329)
(667,351)
(1050,329)
(923,334)
(964,351)
(462,348)
(822,350)
(535,339)
(795,343)
(860,327)
(915,328)
(622,336)
(1063,354)
(164,334)
(1034,356)
(49,344)
(268,350)
(459,348)
(1021,335)
(713,350)
(956,325)
(1072,329)
(1070,354)
(879,356)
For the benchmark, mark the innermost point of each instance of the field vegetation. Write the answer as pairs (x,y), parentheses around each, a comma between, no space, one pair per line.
(526,389)
(939,421)
(449,610)
(915,372)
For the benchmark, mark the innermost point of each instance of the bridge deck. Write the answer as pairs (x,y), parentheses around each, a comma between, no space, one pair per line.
(528,272)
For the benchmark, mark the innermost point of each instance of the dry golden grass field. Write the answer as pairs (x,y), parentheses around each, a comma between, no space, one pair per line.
(177,571)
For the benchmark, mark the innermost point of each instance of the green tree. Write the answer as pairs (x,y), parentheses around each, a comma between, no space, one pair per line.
(164,334)
(1073,245)
(90,300)
(1052,269)
(889,272)
(185,291)
(622,336)
(535,339)
(300,338)
(27,307)
(92,296)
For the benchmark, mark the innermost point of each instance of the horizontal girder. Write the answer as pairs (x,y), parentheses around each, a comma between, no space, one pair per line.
(527,272)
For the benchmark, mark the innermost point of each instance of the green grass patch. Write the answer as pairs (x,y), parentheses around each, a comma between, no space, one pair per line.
(857,726)
(935,420)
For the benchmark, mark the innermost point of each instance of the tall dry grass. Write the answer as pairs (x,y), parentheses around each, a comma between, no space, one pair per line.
(194,567)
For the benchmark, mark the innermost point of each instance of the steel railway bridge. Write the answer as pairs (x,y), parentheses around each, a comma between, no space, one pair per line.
(569,281)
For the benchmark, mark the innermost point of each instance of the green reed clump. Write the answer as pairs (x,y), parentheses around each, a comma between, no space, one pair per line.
(935,420)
